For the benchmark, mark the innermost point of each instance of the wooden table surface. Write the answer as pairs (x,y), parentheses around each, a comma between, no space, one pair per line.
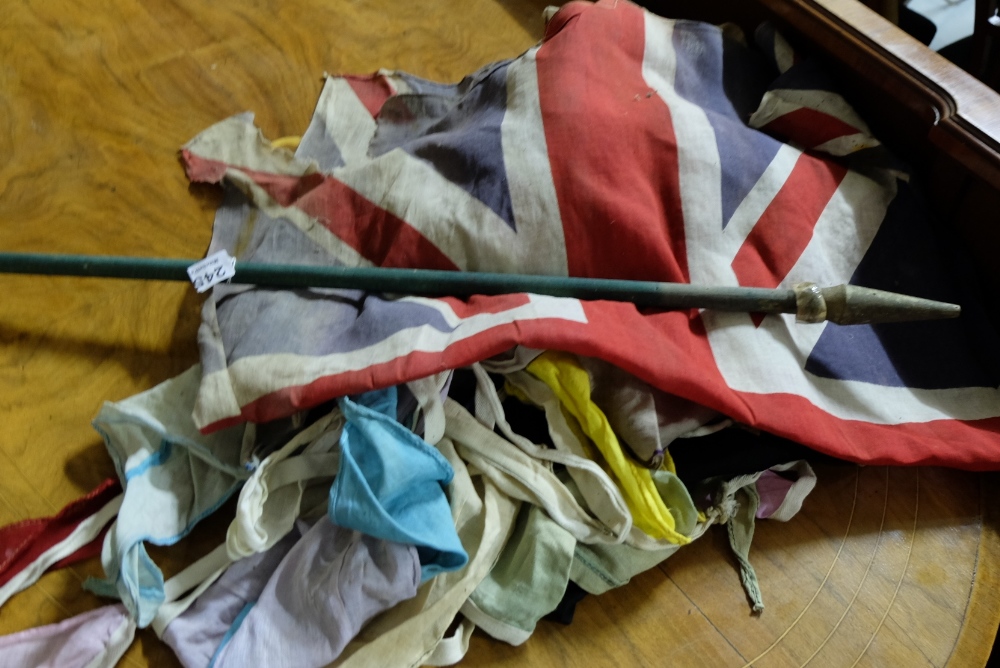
(882,567)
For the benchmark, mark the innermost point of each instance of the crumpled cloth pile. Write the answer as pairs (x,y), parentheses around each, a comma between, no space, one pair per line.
(358,542)
(409,469)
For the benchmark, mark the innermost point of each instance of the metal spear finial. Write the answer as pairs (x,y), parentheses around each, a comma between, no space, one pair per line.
(855,305)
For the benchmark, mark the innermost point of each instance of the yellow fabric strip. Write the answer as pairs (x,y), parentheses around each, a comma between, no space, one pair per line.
(571,384)
(290,142)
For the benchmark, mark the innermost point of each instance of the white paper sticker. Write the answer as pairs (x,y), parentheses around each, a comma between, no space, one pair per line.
(214,269)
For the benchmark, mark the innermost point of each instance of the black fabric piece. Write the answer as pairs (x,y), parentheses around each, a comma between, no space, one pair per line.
(916,25)
(524,419)
(563,614)
(732,452)
(960,53)
(728,452)
(527,420)
(272,435)
(463,389)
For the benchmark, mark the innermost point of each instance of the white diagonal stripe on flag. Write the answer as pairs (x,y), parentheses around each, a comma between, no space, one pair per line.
(697,154)
(541,242)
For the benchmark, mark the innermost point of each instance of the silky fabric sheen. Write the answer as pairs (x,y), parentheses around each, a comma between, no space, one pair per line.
(571,384)
(645,419)
(602,496)
(603,500)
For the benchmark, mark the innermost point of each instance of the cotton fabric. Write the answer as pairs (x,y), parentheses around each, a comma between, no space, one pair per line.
(409,634)
(290,480)
(95,639)
(36,546)
(197,634)
(23,543)
(390,484)
(527,582)
(173,476)
(324,591)
(570,383)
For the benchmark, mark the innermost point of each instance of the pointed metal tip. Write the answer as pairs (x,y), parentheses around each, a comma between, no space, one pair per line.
(854,305)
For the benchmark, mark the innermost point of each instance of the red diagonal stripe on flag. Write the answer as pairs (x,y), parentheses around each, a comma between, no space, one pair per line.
(380,236)
(377,234)
(611,147)
(781,234)
(809,127)
(373,91)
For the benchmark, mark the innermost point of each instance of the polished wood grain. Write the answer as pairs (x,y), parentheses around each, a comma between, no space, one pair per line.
(883,567)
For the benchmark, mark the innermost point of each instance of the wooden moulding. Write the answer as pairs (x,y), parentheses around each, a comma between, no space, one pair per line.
(960,115)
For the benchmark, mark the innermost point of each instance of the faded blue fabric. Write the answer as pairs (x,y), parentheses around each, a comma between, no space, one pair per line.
(172,476)
(391,484)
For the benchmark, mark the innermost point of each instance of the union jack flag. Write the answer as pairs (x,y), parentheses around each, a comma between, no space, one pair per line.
(624,145)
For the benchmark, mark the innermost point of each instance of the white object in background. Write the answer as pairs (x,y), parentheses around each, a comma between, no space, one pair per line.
(954,19)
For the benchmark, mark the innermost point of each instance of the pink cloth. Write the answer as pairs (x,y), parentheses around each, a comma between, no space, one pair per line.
(783,488)
(76,642)
(772,489)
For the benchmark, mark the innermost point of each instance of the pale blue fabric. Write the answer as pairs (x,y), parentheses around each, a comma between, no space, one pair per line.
(172,475)
(391,484)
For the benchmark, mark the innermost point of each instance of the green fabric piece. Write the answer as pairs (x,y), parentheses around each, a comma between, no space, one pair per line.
(600,568)
(740,528)
(528,580)
(678,499)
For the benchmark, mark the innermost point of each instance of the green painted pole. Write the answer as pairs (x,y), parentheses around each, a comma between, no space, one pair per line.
(879,306)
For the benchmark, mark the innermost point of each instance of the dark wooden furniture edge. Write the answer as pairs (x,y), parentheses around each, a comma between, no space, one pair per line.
(961,115)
